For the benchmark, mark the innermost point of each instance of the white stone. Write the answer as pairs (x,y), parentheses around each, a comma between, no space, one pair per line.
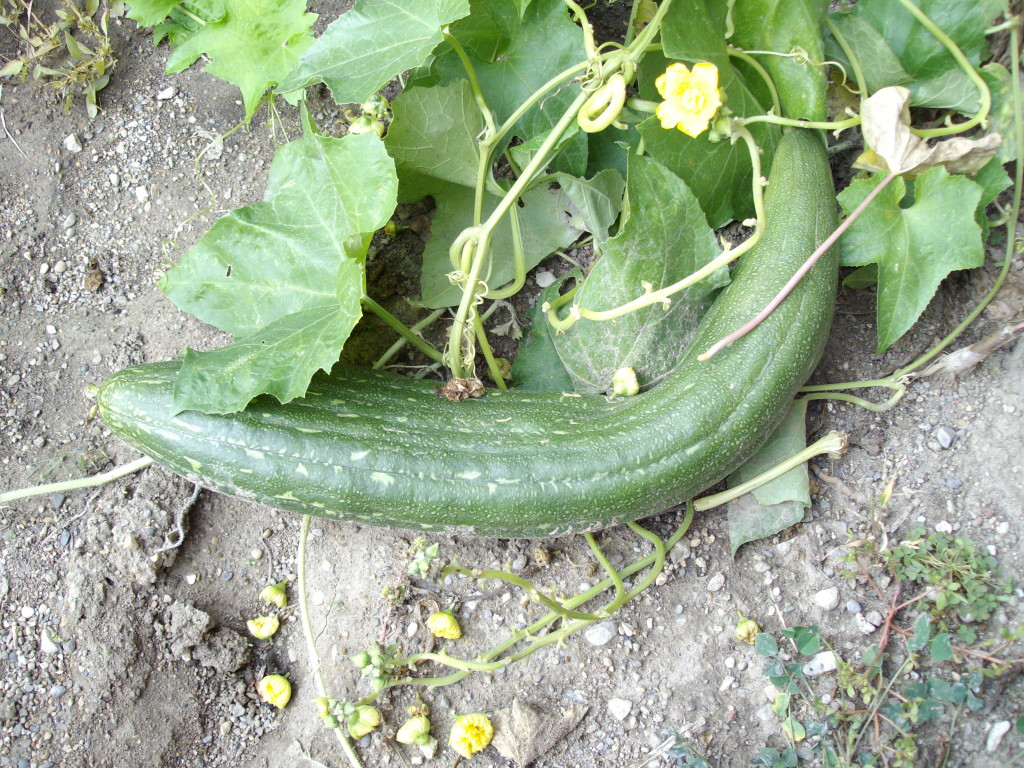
(820,664)
(72,144)
(863,625)
(727,683)
(620,708)
(544,279)
(600,634)
(46,644)
(716,582)
(167,93)
(995,736)
(141,194)
(944,526)
(828,598)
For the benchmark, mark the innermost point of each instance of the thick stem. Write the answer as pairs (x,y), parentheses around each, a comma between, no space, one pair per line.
(406,333)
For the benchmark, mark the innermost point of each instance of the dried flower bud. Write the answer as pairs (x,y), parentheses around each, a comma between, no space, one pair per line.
(363,719)
(276,594)
(275,689)
(471,734)
(415,731)
(746,629)
(444,624)
(263,627)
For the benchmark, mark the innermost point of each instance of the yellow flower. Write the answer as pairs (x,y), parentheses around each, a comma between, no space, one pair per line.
(263,627)
(275,689)
(691,97)
(363,719)
(746,629)
(444,624)
(470,734)
(415,731)
(276,594)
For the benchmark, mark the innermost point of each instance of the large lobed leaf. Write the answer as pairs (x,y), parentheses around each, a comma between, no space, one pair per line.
(665,238)
(253,46)
(284,276)
(915,247)
(372,43)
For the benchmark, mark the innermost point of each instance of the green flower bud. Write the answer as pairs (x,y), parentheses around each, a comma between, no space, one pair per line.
(415,731)
(276,594)
(624,383)
(363,720)
(746,629)
(361,659)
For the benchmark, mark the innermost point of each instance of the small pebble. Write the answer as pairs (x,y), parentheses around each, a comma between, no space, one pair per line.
(60,267)
(727,683)
(945,436)
(875,618)
(944,526)
(115,179)
(141,194)
(716,582)
(619,708)
(167,93)
(864,626)
(820,664)
(72,143)
(600,634)
(995,736)
(191,579)
(852,606)
(225,727)
(544,279)
(46,644)
(827,599)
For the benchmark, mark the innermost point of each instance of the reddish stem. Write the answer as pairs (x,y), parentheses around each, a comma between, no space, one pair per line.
(804,269)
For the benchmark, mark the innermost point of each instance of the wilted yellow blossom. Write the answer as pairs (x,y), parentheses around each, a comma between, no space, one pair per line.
(746,629)
(415,731)
(363,719)
(691,97)
(276,594)
(263,627)
(471,734)
(444,624)
(275,689)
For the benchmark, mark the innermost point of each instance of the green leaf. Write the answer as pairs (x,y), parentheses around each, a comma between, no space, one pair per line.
(694,30)
(598,200)
(950,90)
(779,504)
(372,43)
(922,55)
(279,359)
(253,46)
(518,71)
(149,13)
(765,644)
(992,179)
(284,276)
(267,260)
(537,367)
(807,639)
(915,247)
(668,240)
(793,729)
(940,648)
(544,224)
(862,278)
(786,27)
(922,633)
(433,134)
(1002,115)
(718,173)
(879,65)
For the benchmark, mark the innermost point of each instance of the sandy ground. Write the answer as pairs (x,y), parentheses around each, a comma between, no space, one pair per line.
(122,647)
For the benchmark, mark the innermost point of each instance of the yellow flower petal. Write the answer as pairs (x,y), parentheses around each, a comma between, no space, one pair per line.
(691,97)
(275,689)
(471,734)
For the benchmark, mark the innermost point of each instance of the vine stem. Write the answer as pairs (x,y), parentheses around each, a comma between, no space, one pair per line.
(82,482)
(307,630)
(798,276)
(663,295)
